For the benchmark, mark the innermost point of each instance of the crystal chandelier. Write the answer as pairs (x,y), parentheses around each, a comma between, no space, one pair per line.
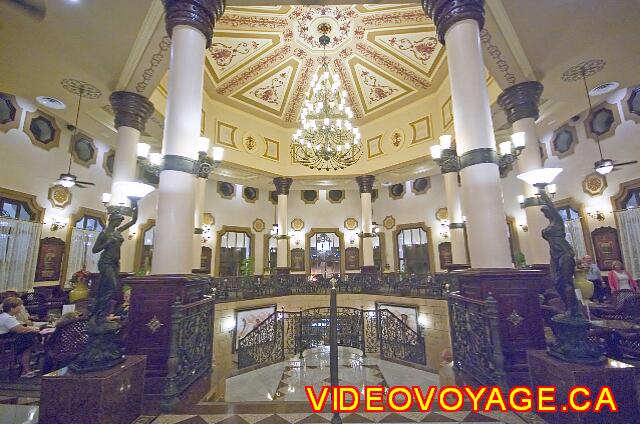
(327,140)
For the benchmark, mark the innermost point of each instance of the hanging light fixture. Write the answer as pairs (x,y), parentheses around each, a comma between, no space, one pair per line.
(326,140)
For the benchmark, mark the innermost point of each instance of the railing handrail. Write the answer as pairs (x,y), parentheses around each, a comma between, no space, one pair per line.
(401,322)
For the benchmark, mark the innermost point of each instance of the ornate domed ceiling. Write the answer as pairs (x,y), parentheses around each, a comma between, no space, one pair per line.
(262,59)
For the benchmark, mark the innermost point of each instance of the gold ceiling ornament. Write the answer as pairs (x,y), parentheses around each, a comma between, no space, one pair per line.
(442,214)
(594,184)
(250,142)
(327,140)
(258,225)
(389,222)
(297,224)
(396,138)
(59,196)
(351,223)
(208,218)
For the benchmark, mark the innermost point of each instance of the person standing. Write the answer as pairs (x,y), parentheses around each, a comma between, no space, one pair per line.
(25,335)
(595,276)
(620,279)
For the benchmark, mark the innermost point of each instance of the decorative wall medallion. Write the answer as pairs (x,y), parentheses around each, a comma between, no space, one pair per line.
(271,149)
(297,224)
(309,196)
(396,138)
(389,222)
(250,142)
(225,134)
(421,185)
(594,184)
(154,324)
(564,141)
(442,214)
(396,191)
(335,196)
(107,162)
(447,113)
(374,147)
(515,319)
(208,218)
(42,130)
(59,196)
(421,130)
(350,223)
(631,104)
(10,112)
(258,225)
(226,190)
(250,194)
(83,150)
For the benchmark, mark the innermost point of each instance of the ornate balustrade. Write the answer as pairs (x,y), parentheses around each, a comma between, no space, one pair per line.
(475,339)
(251,287)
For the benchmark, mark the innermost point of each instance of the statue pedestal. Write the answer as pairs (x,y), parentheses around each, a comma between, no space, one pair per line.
(548,371)
(113,396)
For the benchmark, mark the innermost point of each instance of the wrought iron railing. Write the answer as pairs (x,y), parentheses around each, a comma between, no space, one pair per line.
(398,341)
(289,333)
(425,286)
(475,338)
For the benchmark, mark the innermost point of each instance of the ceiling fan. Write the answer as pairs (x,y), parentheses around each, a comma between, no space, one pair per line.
(35,8)
(602,166)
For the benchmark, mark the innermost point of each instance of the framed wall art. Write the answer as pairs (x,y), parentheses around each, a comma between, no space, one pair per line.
(297,260)
(248,319)
(405,313)
(606,247)
(50,257)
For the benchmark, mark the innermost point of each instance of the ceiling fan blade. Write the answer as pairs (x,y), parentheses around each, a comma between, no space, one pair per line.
(625,163)
(85,182)
(35,8)
(80,185)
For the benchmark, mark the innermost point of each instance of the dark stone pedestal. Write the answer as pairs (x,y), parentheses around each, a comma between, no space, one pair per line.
(371,269)
(105,397)
(548,371)
(283,271)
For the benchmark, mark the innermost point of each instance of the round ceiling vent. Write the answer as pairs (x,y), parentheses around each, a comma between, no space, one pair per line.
(605,88)
(51,102)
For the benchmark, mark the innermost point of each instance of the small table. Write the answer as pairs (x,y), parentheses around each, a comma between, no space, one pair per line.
(614,331)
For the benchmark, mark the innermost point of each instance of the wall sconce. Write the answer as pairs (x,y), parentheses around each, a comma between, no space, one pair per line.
(595,214)
(202,166)
(524,227)
(207,233)
(133,231)
(444,229)
(56,223)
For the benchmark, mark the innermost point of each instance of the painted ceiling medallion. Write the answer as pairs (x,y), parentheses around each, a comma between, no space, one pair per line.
(396,139)
(334,22)
(59,196)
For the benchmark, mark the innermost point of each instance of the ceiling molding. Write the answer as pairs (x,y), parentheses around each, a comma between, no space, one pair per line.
(496,8)
(147,30)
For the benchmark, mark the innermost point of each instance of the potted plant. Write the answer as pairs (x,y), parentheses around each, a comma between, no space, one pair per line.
(80,283)
(520,260)
(246,284)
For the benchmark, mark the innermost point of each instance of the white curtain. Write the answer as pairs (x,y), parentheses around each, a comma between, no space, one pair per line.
(629,223)
(18,253)
(80,254)
(575,237)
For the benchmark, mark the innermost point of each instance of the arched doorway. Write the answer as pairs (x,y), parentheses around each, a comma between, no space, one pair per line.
(325,252)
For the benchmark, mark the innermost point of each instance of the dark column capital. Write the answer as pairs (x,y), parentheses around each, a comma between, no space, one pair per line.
(282,185)
(199,14)
(521,100)
(130,109)
(445,13)
(365,183)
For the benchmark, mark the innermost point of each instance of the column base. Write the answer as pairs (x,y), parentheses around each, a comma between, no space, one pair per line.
(283,271)
(369,269)
(548,371)
(518,311)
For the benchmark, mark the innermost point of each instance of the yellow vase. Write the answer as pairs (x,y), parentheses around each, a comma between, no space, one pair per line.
(80,292)
(580,282)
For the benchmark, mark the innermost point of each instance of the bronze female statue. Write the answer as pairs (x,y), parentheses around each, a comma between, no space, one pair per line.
(563,261)
(109,243)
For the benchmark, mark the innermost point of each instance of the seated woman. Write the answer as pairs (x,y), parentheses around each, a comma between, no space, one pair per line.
(25,335)
(620,279)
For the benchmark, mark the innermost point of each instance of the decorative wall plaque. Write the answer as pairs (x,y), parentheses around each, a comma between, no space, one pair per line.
(226,190)
(389,222)
(442,214)
(297,224)
(606,247)
(350,223)
(396,191)
(258,225)
(396,139)
(594,184)
(59,196)
(335,196)
(309,196)
(50,257)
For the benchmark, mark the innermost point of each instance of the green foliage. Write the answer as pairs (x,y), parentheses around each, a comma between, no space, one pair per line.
(521,261)
(246,267)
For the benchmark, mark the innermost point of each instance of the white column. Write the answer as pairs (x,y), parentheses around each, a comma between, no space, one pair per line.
(172,252)
(131,112)
(481,190)
(454,208)
(201,185)
(365,184)
(282,260)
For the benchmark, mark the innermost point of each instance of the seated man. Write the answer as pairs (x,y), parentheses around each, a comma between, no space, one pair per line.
(25,335)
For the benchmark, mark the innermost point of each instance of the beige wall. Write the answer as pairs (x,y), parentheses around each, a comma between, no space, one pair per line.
(434,312)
